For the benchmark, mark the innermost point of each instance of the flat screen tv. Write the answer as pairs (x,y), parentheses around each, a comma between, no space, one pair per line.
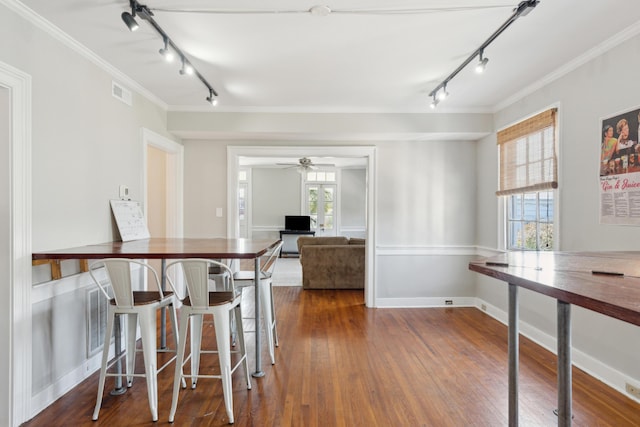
(297,222)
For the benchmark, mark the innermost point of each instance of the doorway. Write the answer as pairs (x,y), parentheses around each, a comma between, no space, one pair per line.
(163,189)
(368,153)
(320,205)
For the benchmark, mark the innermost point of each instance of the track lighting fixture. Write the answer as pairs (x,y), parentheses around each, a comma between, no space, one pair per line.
(442,95)
(129,19)
(482,63)
(166,52)
(170,49)
(523,9)
(212,98)
(186,68)
(434,102)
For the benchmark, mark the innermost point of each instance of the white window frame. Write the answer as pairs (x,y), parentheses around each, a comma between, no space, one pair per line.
(502,217)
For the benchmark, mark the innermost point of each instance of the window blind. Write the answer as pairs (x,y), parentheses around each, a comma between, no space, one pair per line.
(528,160)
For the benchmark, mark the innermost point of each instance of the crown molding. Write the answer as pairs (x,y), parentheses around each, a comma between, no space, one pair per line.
(593,53)
(55,32)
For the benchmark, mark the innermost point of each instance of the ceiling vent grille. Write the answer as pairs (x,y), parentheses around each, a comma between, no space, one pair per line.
(121,93)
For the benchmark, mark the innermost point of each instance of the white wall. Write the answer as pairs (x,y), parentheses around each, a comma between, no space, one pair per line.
(425,222)
(353,201)
(205,188)
(425,215)
(85,143)
(275,193)
(600,88)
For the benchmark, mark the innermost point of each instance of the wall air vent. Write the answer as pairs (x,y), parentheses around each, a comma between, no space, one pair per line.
(97,309)
(121,93)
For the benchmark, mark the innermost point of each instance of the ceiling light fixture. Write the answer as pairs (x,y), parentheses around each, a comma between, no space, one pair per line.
(434,102)
(212,98)
(129,19)
(166,52)
(170,47)
(442,94)
(186,67)
(523,9)
(482,63)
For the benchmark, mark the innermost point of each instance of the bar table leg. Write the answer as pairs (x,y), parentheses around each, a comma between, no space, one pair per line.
(258,372)
(564,364)
(163,311)
(513,350)
(118,388)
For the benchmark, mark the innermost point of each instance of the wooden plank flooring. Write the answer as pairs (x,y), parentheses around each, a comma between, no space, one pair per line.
(340,364)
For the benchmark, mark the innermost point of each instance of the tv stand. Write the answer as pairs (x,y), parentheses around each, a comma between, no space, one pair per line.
(290,241)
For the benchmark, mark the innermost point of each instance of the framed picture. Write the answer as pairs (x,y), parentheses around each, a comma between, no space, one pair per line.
(619,169)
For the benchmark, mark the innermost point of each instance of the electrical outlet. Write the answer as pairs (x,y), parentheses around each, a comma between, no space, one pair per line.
(483,307)
(632,390)
(448,302)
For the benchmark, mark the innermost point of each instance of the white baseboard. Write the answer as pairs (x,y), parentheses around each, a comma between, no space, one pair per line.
(425,302)
(611,377)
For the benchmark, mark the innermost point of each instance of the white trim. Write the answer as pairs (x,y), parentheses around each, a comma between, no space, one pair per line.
(369,152)
(19,287)
(426,250)
(460,250)
(612,377)
(430,302)
(175,186)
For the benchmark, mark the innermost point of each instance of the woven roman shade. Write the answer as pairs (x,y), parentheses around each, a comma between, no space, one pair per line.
(528,160)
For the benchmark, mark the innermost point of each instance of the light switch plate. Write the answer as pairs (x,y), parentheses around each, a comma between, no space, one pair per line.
(124,192)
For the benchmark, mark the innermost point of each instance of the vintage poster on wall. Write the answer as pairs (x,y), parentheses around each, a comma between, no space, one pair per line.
(620,169)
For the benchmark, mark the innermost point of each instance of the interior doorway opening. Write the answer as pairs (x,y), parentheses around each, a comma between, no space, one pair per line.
(368,153)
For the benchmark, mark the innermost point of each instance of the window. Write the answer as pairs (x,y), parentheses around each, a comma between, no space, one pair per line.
(321,176)
(530,221)
(528,177)
(320,194)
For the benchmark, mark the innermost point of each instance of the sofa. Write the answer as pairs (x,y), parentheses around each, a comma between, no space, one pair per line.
(332,262)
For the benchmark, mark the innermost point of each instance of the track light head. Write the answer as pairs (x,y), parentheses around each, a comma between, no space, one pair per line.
(166,52)
(442,95)
(482,63)
(212,98)
(186,68)
(434,102)
(130,21)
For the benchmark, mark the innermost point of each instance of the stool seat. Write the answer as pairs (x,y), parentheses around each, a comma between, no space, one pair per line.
(146,297)
(215,298)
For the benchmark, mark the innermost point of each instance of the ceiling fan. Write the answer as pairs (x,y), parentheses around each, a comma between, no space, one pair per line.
(305,164)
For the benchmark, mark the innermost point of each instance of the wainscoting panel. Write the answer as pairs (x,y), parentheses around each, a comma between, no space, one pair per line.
(425,276)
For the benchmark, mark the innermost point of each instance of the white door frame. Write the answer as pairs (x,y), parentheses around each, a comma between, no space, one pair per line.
(175,179)
(15,326)
(369,152)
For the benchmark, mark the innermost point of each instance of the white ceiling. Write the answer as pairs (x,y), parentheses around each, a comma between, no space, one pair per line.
(351,60)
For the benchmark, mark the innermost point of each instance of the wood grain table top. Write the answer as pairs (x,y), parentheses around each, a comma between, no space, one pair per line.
(166,248)
(605,282)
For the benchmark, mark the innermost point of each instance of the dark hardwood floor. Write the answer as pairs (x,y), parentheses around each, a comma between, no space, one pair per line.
(340,364)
